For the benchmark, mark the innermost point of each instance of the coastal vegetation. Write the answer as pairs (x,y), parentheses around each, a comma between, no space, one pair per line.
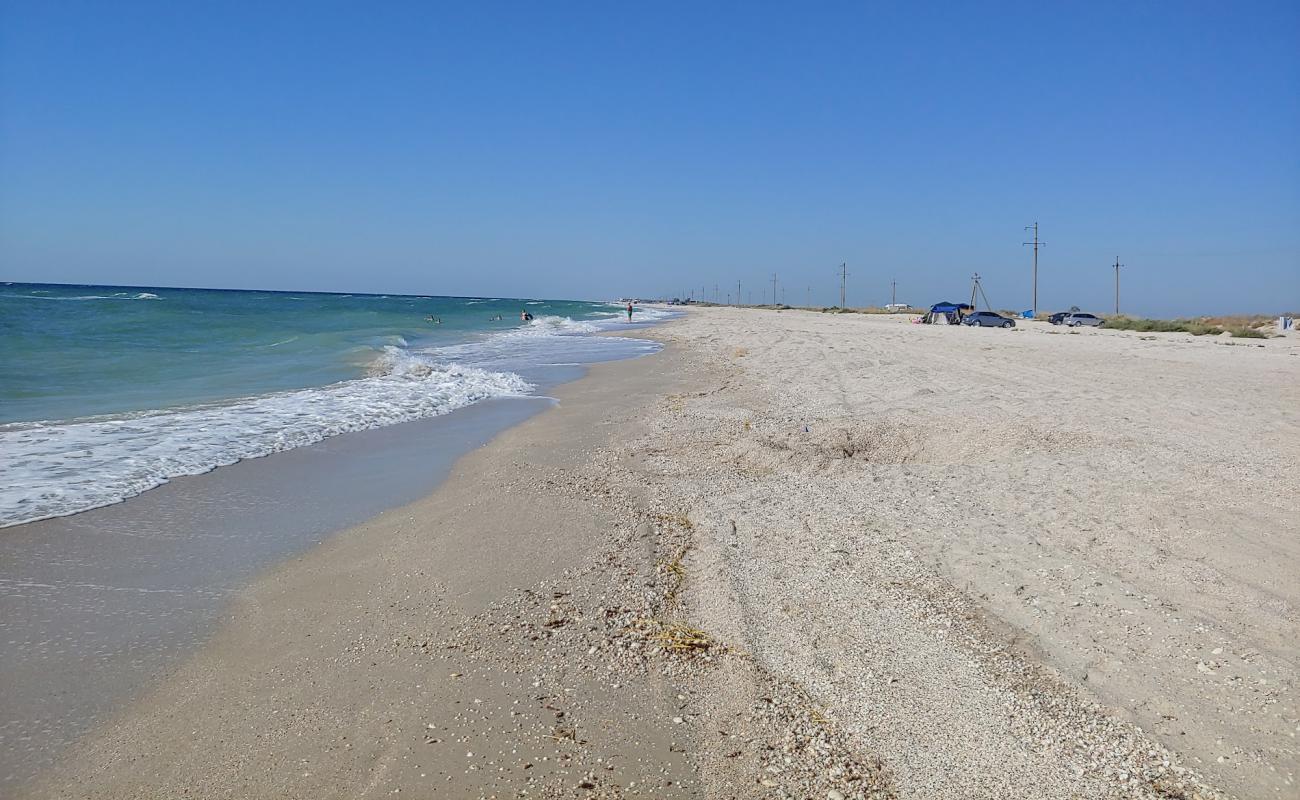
(1239,327)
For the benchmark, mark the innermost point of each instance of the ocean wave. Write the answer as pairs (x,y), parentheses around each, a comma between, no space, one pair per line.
(277,344)
(548,325)
(116,296)
(59,468)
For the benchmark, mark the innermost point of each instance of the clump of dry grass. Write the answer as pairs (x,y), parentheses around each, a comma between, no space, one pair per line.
(678,637)
(673,636)
(673,566)
(675,571)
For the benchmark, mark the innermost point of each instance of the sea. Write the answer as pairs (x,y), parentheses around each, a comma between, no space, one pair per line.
(108,391)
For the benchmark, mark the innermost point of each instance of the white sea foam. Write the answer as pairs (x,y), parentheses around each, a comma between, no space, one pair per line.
(57,468)
(548,341)
(550,325)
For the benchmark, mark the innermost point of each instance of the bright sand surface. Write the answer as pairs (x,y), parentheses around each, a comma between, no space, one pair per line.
(793,554)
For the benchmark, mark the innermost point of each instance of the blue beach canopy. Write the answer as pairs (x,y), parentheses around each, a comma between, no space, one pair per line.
(946,308)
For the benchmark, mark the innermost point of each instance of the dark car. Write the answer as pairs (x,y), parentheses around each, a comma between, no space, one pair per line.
(1058,317)
(988,319)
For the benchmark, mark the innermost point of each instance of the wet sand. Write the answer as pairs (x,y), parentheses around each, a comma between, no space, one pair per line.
(98,605)
(441,646)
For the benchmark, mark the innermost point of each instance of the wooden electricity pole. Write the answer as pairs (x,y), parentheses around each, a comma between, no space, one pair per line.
(976,288)
(844,274)
(737,292)
(1037,244)
(893,293)
(1117,266)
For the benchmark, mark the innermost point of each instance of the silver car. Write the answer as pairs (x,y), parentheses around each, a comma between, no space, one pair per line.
(1077,319)
(988,319)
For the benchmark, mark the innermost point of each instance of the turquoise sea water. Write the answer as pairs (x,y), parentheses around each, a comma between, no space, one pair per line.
(108,391)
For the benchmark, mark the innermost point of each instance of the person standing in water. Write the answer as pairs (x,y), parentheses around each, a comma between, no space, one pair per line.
(629,312)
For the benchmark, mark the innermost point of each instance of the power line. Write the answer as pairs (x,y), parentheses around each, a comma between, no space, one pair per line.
(1037,244)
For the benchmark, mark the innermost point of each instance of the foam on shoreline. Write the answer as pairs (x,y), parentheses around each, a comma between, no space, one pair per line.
(60,467)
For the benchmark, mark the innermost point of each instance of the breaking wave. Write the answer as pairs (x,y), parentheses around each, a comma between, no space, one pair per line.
(58,468)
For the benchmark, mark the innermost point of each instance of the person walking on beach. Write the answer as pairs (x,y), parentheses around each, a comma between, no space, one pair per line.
(629,312)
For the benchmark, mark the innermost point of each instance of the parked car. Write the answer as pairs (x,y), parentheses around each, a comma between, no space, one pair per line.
(1058,317)
(988,319)
(1077,319)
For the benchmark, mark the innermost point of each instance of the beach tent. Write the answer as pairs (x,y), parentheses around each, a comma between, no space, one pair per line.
(946,313)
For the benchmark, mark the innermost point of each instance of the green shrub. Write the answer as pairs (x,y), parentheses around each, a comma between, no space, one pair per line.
(1192,326)
(1248,333)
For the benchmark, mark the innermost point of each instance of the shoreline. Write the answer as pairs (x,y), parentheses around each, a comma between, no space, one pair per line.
(338,599)
(100,604)
(782,557)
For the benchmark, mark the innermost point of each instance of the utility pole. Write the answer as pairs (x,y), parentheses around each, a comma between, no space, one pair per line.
(808,300)
(773,288)
(1117,266)
(977,288)
(737,292)
(893,293)
(1037,244)
(844,274)
(715,293)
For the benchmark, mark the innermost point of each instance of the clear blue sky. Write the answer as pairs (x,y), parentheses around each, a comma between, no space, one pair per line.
(590,150)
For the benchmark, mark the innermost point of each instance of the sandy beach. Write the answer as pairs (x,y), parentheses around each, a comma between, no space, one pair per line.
(791,555)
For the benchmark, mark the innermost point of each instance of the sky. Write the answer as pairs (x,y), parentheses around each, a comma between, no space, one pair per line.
(597,150)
